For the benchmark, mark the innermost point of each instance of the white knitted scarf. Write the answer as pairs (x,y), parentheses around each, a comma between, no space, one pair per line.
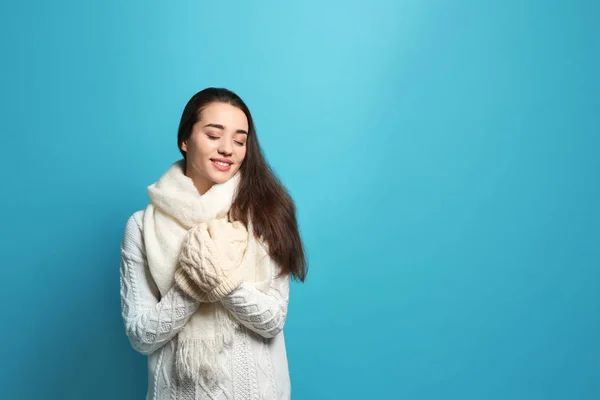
(176,206)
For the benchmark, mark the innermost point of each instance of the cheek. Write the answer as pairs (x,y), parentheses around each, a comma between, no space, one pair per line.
(242,153)
(203,147)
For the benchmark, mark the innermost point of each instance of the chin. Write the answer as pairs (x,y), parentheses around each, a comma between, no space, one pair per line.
(220,178)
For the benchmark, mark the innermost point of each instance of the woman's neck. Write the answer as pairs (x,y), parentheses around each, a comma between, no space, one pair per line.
(200,182)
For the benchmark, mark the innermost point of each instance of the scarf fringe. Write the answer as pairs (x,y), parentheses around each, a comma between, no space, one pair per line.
(203,358)
(175,207)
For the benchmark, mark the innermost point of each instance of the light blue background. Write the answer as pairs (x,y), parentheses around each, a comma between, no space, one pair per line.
(444,157)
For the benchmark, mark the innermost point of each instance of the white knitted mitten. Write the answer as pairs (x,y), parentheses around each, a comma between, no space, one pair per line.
(210,259)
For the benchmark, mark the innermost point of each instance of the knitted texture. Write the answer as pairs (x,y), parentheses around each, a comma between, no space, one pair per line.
(212,264)
(154,320)
(211,259)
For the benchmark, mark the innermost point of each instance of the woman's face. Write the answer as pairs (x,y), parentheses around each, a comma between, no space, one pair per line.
(217,145)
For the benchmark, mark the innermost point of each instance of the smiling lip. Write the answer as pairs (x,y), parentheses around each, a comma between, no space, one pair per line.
(218,164)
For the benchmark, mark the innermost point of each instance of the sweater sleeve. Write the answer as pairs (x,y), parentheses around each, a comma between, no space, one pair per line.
(263,313)
(150,321)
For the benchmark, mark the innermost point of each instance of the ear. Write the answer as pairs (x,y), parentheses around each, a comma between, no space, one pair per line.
(184,146)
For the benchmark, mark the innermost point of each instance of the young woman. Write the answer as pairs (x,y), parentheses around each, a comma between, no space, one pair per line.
(206,266)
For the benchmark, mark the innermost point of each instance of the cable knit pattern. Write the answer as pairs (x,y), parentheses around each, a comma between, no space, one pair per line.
(265,367)
(257,360)
(245,383)
(149,324)
(175,208)
(263,313)
(211,257)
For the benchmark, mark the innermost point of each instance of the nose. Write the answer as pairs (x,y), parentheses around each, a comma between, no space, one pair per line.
(225,147)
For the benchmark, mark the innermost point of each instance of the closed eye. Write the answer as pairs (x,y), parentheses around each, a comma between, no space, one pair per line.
(239,143)
(211,137)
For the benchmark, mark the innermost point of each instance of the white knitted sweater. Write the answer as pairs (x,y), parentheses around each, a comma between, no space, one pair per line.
(257,361)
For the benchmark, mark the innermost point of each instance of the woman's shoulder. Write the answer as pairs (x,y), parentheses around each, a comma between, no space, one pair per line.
(136,218)
(132,238)
(135,222)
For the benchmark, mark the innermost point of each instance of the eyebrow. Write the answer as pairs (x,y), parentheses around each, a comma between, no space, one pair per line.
(219,126)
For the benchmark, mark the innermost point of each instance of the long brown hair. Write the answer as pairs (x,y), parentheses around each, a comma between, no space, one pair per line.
(261,197)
